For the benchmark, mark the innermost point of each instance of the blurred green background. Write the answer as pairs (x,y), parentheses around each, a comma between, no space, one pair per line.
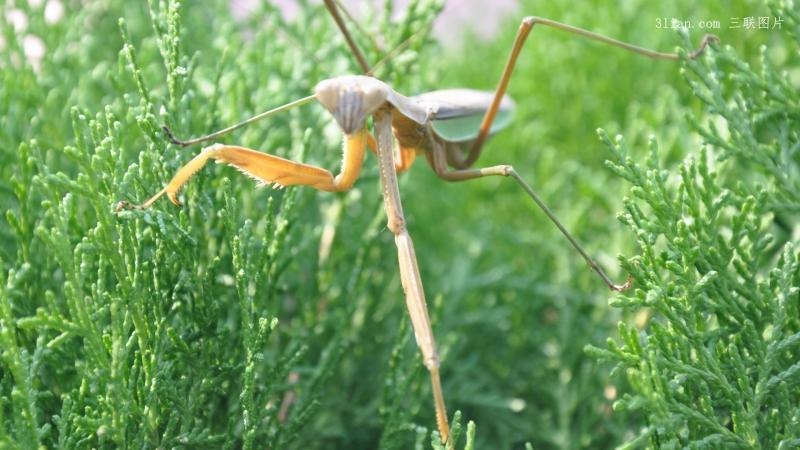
(261,318)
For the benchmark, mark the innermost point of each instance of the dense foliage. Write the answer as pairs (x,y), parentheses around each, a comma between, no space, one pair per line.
(263,318)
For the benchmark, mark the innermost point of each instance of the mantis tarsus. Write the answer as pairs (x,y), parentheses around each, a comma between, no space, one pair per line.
(426,124)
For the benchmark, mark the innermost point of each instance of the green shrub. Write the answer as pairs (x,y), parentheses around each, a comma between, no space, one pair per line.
(714,365)
(262,318)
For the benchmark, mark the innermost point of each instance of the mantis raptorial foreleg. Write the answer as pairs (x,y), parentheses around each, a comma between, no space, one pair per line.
(271,169)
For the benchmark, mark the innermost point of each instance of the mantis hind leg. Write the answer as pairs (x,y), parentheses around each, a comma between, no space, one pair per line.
(437,158)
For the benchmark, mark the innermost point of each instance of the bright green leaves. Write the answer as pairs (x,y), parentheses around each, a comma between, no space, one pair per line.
(717,274)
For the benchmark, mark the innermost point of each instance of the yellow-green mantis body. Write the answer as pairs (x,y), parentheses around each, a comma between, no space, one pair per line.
(447,127)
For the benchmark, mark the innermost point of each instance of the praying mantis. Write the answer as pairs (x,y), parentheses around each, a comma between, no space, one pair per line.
(403,128)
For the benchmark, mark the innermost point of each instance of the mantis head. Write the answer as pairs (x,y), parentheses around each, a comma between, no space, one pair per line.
(351,99)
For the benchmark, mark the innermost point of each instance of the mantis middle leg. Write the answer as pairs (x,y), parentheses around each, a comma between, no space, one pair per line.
(519,41)
(409,270)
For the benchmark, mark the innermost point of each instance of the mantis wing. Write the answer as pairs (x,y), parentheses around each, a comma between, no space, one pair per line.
(459,112)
